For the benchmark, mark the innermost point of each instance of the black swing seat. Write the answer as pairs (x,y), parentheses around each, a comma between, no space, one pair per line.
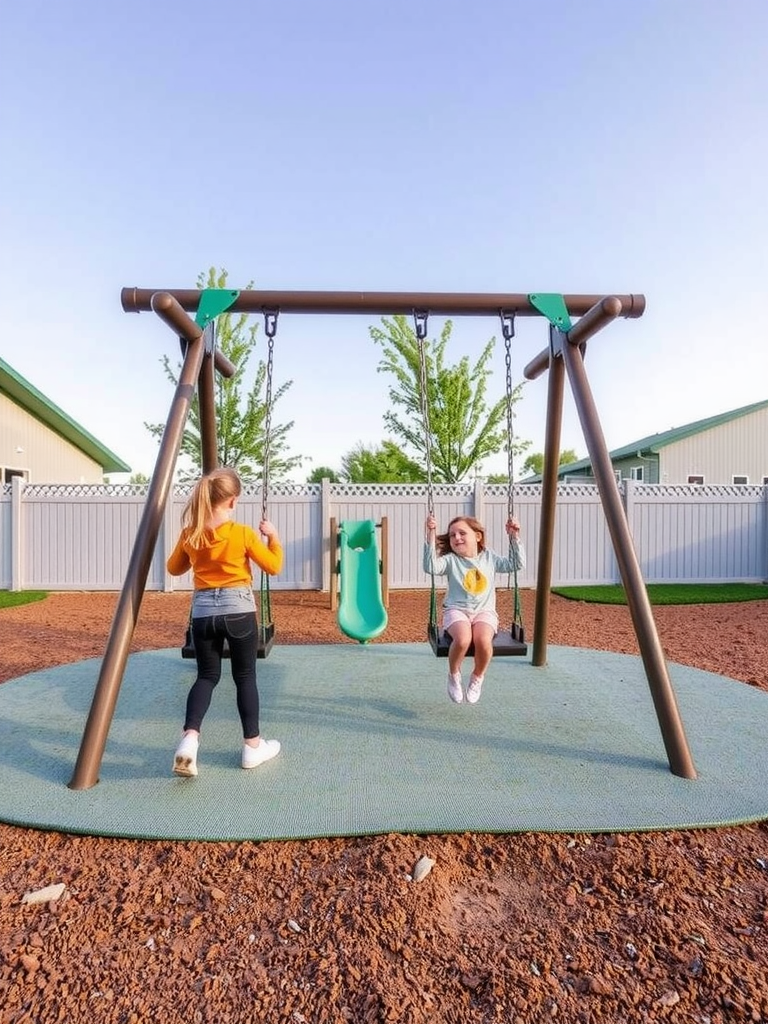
(506,643)
(265,645)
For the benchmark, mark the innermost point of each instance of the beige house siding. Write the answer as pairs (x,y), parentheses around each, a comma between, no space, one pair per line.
(739,447)
(45,456)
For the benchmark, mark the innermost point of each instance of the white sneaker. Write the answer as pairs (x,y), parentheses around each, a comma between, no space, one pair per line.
(185,758)
(474,690)
(455,689)
(265,751)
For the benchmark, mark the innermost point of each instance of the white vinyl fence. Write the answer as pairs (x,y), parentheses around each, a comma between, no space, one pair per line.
(73,537)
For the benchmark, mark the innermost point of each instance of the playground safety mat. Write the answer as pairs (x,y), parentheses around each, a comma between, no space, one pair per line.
(371,744)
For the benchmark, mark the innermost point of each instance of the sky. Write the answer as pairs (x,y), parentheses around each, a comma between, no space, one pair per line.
(417,145)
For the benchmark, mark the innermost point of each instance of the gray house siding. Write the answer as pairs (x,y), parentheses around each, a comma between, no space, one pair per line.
(648,463)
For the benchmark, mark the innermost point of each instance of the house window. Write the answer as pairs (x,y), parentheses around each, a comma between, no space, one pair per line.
(9,474)
(696,479)
(636,473)
(740,479)
(765,480)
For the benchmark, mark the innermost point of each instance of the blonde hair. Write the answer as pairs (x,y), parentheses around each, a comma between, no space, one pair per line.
(443,540)
(209,492)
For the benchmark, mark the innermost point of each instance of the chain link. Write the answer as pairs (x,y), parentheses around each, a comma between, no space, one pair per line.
(508,330)
(270,329)
(420,322)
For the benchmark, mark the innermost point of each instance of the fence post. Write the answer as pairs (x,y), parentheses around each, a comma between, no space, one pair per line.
(17,531)
(627,487)
(479,500)
(166,540)
(326,546)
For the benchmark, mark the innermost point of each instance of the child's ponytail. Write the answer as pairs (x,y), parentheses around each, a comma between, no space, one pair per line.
(209,492)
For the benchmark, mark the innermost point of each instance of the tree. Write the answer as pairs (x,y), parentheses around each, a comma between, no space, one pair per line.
(534,464)
(385,464)
(240,419)
(320,473)
(463,430)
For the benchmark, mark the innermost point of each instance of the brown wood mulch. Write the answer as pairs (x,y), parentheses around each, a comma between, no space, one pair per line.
(544,927)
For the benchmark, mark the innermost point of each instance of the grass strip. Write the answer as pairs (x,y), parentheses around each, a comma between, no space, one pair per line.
(670,593)
(13,598)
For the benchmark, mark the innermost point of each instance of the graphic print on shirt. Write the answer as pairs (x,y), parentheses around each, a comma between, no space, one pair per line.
(475,582)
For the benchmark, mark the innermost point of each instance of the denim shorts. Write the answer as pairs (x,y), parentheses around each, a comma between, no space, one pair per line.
(222,601)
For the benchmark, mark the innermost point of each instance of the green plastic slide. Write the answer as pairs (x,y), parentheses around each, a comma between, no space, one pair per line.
(361,615)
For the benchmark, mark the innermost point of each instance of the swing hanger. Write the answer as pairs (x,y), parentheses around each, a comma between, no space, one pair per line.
(270,322)
(420,317)
(507,324)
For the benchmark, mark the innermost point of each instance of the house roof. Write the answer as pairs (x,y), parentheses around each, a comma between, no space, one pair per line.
(43,409)
(650,445)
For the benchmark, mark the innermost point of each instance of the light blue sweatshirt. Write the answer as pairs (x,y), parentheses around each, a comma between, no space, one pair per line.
(471,584)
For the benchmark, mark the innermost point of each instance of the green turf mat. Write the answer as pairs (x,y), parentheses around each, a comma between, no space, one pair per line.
(372,744)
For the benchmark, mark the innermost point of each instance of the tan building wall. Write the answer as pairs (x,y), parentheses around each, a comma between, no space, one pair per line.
(29,446)
(739,447)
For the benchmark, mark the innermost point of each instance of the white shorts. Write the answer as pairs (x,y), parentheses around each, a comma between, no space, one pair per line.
(454,615)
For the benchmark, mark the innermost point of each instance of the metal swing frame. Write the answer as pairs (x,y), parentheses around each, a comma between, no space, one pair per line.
(563,356)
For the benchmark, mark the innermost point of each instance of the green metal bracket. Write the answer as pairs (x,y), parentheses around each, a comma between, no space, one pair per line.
(212,302)
(553,307)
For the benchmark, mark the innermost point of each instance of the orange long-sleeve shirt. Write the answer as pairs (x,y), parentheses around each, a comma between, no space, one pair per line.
(226,560)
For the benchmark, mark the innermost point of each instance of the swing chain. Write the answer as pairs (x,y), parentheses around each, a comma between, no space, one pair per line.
(508,330)
(270,329)
(420,324)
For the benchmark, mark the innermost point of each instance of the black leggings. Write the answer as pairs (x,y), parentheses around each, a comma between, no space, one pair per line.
(241,633)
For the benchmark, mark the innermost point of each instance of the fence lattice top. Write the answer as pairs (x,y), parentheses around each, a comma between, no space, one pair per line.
(447,491)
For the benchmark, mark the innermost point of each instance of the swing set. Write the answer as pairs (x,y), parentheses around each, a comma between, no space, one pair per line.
(564,355)
(505,642)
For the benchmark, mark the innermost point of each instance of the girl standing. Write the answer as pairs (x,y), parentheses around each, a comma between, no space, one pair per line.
(220,551)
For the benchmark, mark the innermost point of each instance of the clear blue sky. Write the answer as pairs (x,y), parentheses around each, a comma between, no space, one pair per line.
(427,145)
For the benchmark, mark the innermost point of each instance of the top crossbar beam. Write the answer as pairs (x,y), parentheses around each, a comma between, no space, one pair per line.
(136,300)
